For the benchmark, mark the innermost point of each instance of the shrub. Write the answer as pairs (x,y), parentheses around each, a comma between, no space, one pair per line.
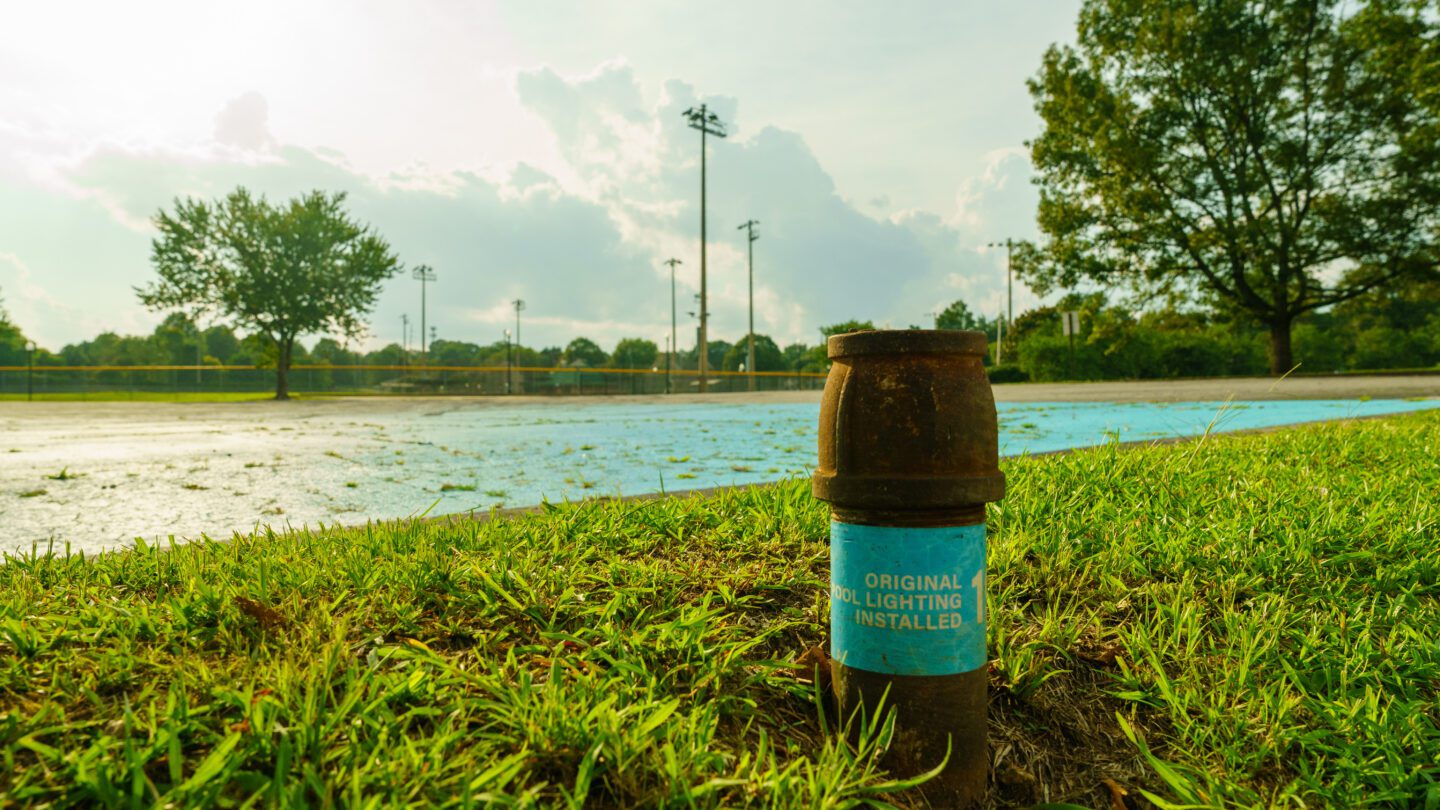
(1047,357)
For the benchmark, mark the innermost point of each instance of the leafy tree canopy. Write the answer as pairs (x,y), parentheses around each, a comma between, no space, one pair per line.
(958,316)
(794,355)
(634,353)
(14,346)
(1275,158)
(583,351)
(767,355)
(845,326)
(455,353)
(283,271)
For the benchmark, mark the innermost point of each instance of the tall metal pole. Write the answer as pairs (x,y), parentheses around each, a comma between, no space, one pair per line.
(709,124)
(1009,319)
(519,305)
(999,338)
(751,236)
(425,275)
(674,346)
(404,339)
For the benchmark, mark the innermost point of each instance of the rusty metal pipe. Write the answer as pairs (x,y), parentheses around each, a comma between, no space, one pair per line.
(909,456)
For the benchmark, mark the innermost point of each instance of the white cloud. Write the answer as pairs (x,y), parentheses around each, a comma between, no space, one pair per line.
(582,240)
(245,124)
(28,302)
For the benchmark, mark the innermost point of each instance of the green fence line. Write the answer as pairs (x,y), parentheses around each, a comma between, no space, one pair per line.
(115,382)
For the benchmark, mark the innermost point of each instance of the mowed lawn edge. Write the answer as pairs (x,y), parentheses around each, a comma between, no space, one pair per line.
(1243,620)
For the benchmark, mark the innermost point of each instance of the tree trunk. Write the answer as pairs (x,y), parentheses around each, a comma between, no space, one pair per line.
(1281,358)
(282,369)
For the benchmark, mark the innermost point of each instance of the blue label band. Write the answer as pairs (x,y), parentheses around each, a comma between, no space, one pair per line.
(908,601)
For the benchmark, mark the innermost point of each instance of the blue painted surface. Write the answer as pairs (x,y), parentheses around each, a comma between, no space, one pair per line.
(906,601)
(575,450)
(454,457)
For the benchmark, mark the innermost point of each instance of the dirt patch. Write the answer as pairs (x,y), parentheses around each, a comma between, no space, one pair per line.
(1062,743)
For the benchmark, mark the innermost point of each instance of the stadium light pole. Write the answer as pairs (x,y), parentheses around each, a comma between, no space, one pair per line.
(424,275)
(1009,245)
(709,124)
(696,316)
(519,306)
(509,362)
(404,339)
(750,237)
(674,347)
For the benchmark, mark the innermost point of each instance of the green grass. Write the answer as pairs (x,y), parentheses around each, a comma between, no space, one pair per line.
(1244,621)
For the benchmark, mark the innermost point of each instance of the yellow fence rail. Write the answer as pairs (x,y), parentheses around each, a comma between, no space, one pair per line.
(112,382)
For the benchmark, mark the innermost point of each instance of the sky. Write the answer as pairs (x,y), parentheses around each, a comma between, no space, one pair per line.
(535,150)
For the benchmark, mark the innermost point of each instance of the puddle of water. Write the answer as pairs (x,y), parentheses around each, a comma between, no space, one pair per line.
(183,477)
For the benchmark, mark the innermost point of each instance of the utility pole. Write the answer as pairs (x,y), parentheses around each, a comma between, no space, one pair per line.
(519,305)
(698,321)
(709,124)
(424,275)
(509,363)
(750,237)
(404,339)
(1009,319)
(674,347)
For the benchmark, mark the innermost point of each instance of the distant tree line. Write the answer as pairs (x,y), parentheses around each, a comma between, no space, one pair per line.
(1388,329)
(178,341)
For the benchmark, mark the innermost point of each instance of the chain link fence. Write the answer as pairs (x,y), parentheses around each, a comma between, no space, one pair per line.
(120,382)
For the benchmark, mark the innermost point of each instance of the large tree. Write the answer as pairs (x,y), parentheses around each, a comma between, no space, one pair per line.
(1270,157)
(302,267)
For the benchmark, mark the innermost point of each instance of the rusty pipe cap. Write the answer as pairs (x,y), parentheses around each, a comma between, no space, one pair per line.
(908,422)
